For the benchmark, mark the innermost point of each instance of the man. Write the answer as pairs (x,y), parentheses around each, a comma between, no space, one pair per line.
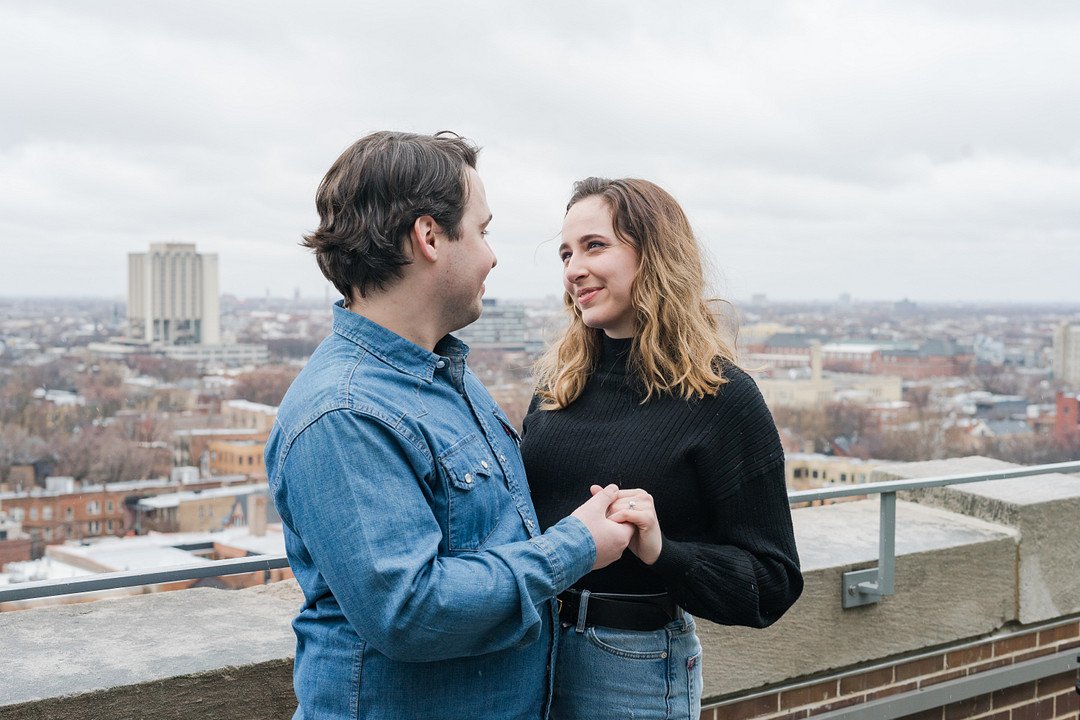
(428,588)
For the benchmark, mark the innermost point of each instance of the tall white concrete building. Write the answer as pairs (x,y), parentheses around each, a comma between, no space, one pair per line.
(173,295)
(1067,353)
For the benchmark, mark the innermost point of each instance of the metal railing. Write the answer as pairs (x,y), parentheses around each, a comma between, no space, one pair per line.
(860,587)
(863,587)
(135,578)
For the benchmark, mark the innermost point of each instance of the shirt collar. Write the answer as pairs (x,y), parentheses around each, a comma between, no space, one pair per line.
(391,348)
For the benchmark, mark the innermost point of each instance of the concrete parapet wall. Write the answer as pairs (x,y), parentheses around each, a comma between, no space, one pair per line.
(198,653)
(970,566)
(1045,509)
(955,578)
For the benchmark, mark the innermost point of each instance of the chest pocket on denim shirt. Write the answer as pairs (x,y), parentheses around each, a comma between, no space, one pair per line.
(476,495)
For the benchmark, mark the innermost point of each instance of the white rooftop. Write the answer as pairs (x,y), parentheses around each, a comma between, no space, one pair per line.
(252,406)
(174,499)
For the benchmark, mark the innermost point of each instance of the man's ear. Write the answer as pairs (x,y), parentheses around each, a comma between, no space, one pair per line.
(424,238)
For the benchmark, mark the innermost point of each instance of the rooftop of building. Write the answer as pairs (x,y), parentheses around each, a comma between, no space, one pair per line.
(168,500)
(250,406)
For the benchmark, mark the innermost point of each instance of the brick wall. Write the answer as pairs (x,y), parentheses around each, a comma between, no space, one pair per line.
(1050,698)
(14,550)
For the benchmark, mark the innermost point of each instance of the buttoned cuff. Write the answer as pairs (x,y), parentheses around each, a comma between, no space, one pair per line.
(570,551)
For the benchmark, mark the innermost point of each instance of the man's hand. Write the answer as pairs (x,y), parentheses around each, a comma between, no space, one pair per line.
(611,537)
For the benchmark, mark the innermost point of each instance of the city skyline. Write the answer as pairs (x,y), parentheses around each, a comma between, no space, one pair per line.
(883,151)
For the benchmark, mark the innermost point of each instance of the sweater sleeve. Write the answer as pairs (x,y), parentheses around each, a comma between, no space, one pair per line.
(748,574)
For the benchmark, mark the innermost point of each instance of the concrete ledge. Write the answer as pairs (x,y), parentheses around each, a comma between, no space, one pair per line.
(191,653)
(257,692)
(1044,508)
(955,578)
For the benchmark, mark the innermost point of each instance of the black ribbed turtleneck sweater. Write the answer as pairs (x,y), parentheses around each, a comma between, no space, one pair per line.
(715,469)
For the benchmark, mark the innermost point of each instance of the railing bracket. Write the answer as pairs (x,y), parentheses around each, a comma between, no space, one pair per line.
(860,587)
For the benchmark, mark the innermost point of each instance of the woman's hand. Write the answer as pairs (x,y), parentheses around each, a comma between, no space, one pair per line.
(636,507)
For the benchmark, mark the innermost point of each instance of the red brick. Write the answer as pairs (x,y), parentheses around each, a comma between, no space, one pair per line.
(1002,715)
(866,681)
(793,715)
(967,708)
(989,665)
(1039,710)
(1056,684)
(837,704)
(1068,645)
(915,668)
(935,679)
(1016,644)
(1062,632)
(1032,654)
(892,690)
(708,714)
(968,656)
(931,714)
(809,695)
(1014,695)
(746,709)
(1066,703)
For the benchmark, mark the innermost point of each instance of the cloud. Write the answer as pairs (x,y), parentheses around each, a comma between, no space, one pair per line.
(881,149)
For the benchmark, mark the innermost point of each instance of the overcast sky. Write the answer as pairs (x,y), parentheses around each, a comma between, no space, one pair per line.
(882,149)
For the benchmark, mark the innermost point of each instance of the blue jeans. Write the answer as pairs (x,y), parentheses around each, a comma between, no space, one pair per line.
(602,673)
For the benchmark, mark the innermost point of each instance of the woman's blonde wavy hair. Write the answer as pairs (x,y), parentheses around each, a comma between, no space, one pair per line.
(678,347)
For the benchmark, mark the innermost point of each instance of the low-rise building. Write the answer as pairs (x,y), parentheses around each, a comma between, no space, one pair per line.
(15,545)
(249,415)
(205,510)
(1067,418)
(71,512)
(804,471)
(237,457)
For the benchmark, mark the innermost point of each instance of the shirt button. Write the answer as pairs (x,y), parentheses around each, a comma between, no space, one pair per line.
(484,464)
(441,364)
(468,478)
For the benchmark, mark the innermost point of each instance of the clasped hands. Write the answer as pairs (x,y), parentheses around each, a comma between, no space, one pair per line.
(621,519)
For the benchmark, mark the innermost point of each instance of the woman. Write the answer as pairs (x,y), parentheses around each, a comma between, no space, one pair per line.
(642,391)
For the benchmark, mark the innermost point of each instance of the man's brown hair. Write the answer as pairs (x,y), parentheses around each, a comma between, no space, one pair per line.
(372,195)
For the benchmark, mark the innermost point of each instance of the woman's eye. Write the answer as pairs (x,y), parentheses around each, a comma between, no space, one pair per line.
(564,256)
(594,244)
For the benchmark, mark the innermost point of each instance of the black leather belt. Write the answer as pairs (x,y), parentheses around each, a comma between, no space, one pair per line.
(616,610)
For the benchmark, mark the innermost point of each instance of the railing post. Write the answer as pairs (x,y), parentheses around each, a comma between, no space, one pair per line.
(865,587)
(887,544)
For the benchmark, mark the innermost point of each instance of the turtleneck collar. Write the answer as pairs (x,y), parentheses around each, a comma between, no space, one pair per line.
(614,353)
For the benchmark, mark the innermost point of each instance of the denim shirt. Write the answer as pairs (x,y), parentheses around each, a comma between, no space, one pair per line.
(427,584)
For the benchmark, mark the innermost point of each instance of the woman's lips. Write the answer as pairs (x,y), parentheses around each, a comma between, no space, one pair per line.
(586,295)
